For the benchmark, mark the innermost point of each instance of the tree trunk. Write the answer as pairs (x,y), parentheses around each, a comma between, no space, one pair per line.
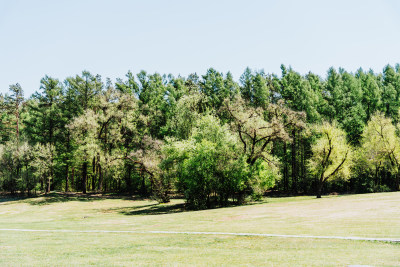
(28,182)
(72,177)
(100,185)
(48,185)
(128,179)
(105,182)
(294,165)
(66,179)
(143,189)
(84,177)
(285,169)
(17,124)
(303,165)
(319,190)
(319,186)
(94,176)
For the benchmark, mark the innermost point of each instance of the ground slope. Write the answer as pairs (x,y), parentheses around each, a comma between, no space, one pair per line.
(368,215)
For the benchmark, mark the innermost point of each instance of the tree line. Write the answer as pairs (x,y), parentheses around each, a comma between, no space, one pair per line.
(208,137)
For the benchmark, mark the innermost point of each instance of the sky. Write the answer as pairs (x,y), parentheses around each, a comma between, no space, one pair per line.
(62,38)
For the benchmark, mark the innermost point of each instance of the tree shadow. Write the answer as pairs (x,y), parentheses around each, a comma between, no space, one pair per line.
(6,200)
(59,198)
(152,209)
(158,209)
(67,197)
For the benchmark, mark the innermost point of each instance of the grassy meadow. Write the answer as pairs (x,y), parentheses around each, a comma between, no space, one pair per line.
(366,215)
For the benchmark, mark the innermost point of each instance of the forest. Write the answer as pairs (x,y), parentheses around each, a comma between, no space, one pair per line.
(210,139)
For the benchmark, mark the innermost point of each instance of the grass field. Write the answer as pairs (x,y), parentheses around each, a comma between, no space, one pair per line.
(367,215)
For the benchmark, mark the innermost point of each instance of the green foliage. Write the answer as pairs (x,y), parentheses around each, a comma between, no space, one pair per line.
(209,137)
(380,149)
(257,128)
(209,167)
(11,112)
(263,177)
(14,159)
(213,87)
(43,162)
(254,87)
(331,155)
(185,115)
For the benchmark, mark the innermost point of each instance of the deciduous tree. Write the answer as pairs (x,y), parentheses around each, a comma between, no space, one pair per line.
(331,155)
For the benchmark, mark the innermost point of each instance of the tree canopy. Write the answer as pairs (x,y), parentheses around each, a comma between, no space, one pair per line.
(209,138)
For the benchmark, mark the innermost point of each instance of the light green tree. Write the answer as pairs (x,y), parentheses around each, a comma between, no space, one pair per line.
(185,115)
(43,162)
(257,128)
(211,168)
(331,155)
(381,146)
(14,156)
(84,133)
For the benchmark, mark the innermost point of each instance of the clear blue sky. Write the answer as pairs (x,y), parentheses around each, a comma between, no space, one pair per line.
(62,38)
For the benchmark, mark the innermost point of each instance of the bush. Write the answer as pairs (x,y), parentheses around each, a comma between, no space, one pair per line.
(381,188)
(210,168)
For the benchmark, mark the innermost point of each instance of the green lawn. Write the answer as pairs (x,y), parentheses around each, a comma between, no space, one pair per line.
(368,215)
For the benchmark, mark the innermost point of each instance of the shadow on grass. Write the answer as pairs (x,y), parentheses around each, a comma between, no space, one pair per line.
(158,209)
(151,209)
(58,198)
(66,197)
(5,200)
